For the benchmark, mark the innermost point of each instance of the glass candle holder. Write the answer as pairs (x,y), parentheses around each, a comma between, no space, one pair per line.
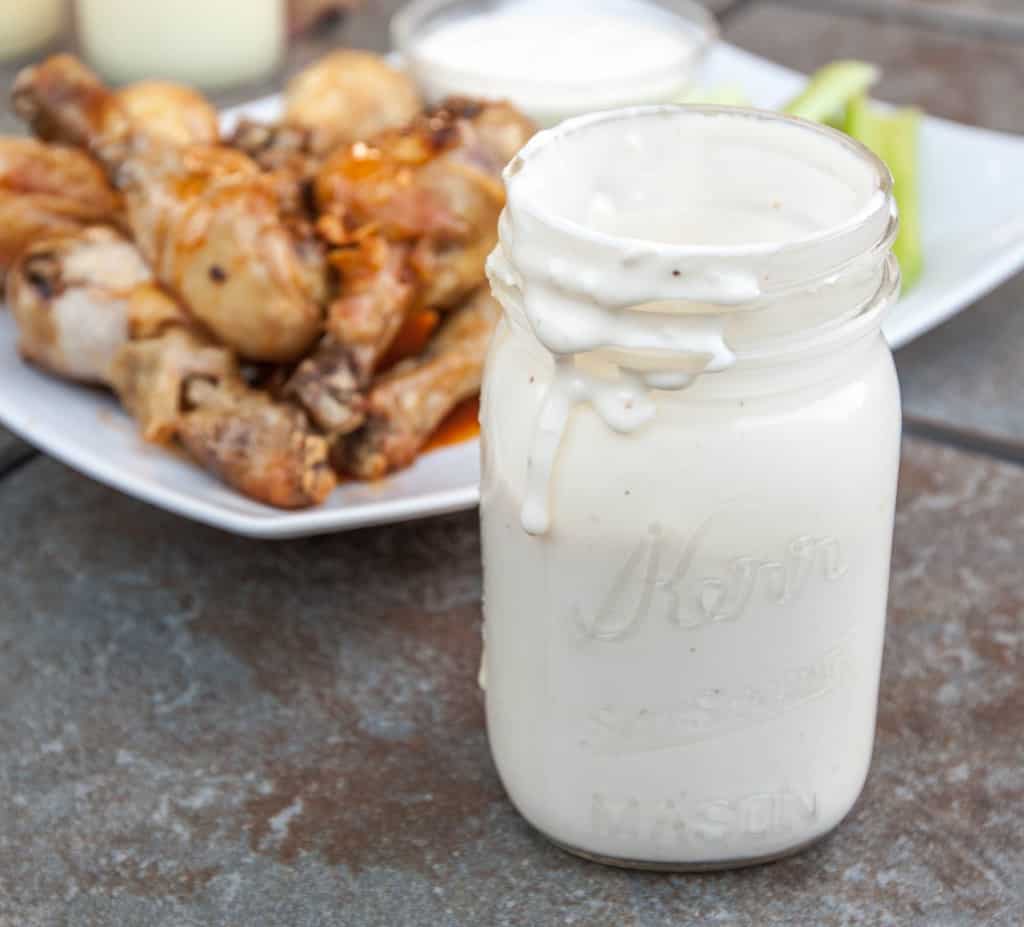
(213,44)
(29,26)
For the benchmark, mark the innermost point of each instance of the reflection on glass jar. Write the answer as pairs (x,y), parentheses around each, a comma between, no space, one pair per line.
(210,43)
(691,437)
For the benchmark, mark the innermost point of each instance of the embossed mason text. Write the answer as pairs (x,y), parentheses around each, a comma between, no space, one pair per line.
(652,585)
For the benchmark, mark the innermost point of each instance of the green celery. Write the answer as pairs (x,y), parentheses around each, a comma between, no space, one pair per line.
(901,154)
(829,89)
(865,123)
(893,136)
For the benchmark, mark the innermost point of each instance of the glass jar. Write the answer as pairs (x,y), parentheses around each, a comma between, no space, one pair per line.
(214,44)
(691,429)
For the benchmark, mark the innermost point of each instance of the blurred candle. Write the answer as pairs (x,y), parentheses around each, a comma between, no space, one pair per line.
(212,43)
(28,25)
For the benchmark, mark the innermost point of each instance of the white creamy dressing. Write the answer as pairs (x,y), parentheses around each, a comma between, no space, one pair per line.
(595,293)
(531,44)
(557,59)
(567,328)
(683,645)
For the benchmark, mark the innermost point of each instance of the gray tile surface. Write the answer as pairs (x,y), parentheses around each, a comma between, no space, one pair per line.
(970,371)
(204,730)
(999,18)
(13,451)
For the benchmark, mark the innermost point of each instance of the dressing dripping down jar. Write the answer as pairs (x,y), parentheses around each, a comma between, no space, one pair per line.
(691,429)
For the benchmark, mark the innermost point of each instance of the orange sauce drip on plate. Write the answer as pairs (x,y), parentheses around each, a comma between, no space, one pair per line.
(411,339)
(462,424)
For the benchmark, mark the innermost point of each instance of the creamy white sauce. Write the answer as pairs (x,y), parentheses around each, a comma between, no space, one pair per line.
(531,44)
(557,59)
(690,452)
(583,294)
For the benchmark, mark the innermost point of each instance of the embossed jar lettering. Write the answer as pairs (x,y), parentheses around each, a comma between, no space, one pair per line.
(688,600)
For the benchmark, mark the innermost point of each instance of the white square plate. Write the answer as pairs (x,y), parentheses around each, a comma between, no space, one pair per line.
(973,227)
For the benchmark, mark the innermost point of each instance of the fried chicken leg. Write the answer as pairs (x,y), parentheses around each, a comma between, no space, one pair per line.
(205,218)
(176,114)
(47,190)
(88,308)
(348,96)
(79,298)
(262,448)
(406,404)
(413,215)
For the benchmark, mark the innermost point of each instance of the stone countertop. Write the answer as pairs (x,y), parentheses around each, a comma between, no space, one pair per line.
(204,730)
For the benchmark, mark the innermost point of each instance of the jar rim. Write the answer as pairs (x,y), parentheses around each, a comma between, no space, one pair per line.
(881,198)
(831,333)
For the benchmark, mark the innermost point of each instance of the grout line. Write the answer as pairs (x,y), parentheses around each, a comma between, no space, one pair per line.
(952,22)
(965,439)
(11,461)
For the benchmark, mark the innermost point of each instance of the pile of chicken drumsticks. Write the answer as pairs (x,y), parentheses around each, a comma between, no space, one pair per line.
(291,302)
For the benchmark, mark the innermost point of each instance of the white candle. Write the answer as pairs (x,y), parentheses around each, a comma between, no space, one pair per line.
(212,43)
(26,27)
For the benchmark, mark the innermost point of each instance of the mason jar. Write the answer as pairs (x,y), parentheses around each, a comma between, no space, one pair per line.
(691,428)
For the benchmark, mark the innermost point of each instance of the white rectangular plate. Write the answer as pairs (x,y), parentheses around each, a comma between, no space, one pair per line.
(973,228)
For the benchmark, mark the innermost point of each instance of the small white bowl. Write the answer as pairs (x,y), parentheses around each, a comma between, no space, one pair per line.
(542,82)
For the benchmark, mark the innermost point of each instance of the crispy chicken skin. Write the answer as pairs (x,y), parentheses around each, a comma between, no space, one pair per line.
(87,308)
(47,190)
(347,96)
(405,405)
(412,215)
(262,448)
(79,298)
(434,187)
(285,155)
(378,288)
(181,386)
(276,146)
(150,376)
(204,217)
(177,115)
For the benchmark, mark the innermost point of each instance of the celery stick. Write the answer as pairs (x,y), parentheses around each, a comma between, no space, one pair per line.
(901,154)
(831,88)
(893,136)
(836,121)
(865,123)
